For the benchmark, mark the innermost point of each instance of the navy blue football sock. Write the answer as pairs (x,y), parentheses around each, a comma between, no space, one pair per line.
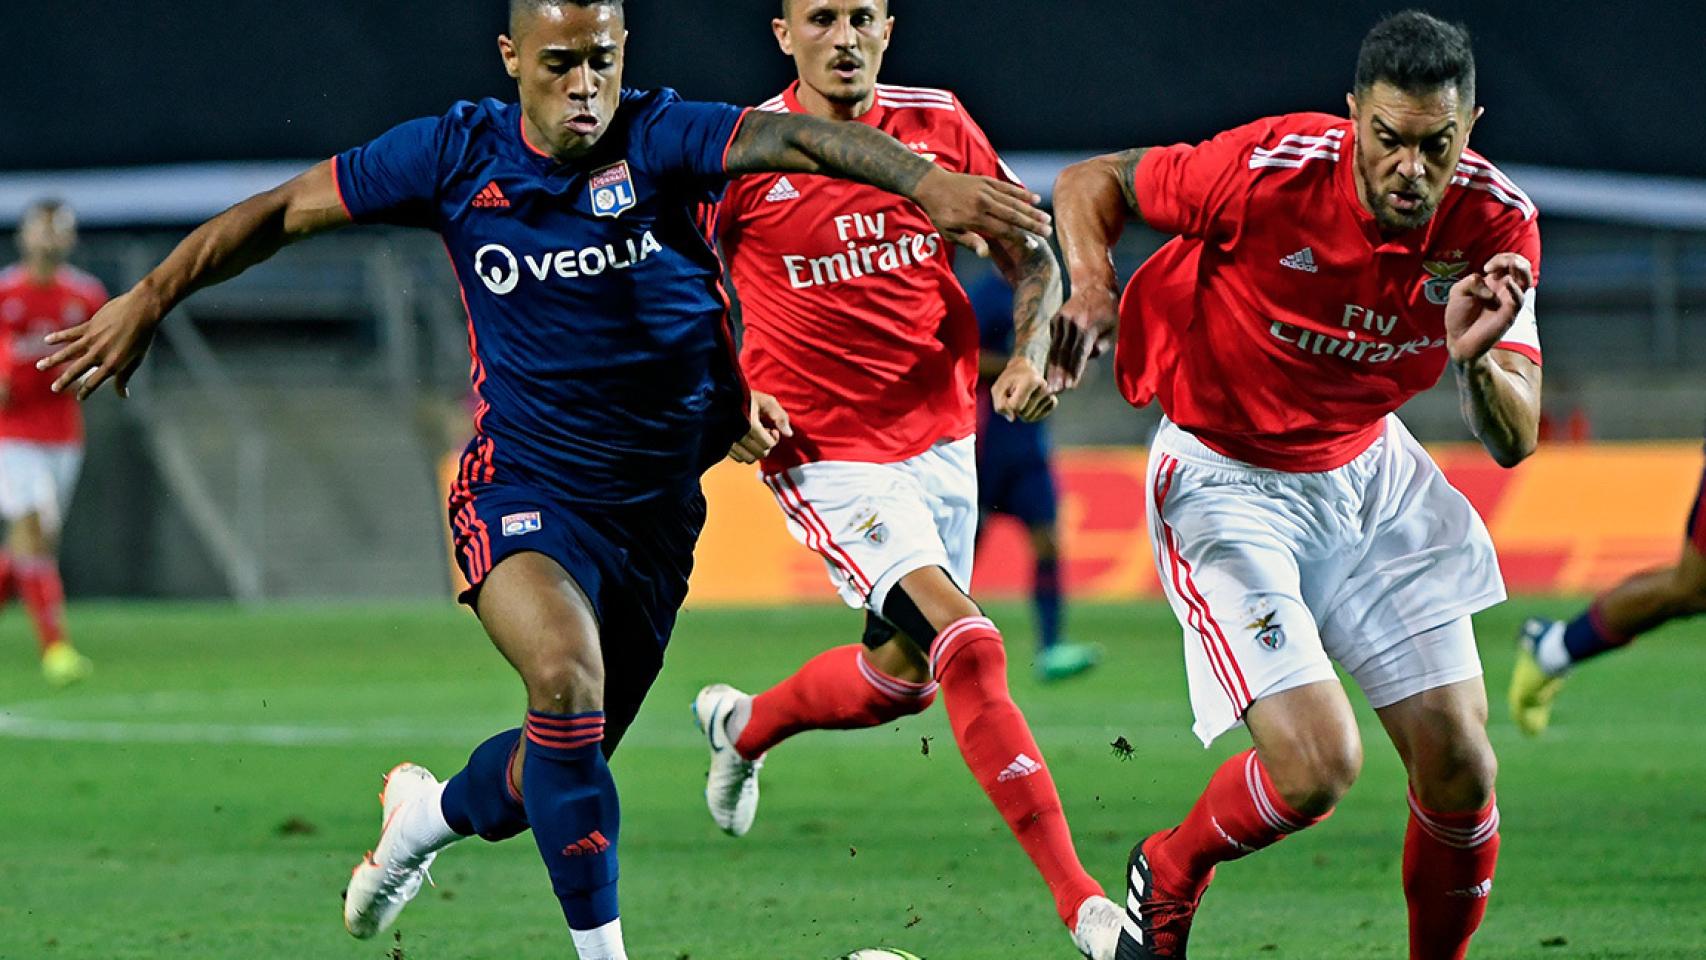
(480,800)
(1587,636)
(1045,590)
(571,799)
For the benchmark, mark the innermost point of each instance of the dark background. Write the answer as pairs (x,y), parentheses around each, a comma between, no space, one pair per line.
(1578,83)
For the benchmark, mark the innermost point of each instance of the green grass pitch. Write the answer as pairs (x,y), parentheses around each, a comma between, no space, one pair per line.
(206,793)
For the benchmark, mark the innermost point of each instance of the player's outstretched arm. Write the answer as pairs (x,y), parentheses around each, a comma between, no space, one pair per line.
(1093,199)
(1020,390)
(961,205)
(111,344)
(1499,389)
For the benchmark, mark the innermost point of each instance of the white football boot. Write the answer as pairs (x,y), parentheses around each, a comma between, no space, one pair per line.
(387,878)
(1097,935)
(731,788)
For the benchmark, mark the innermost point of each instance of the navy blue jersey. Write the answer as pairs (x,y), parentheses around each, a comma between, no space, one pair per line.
(602,358)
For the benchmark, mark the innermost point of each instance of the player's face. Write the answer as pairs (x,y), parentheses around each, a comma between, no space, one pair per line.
(567,62)
(47,236)
(1408,146)
(837,45)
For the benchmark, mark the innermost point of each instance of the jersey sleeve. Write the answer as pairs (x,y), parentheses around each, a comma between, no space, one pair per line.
(1520,234)
(981,158)
(1197,190)
(394,178)
(688,137)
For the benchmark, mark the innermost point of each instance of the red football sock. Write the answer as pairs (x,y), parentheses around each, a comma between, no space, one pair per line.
(8,584)
(44,595)
(997,745)
(836,690)
(1448,873)
(1239,813)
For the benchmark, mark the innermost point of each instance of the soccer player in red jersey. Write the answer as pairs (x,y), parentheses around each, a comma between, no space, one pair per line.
(1547,650)
(41,432)
(857,328)
(1324,270)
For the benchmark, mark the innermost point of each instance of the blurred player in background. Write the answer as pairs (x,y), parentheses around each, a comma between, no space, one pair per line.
(1548,649)
(41,432)
(1324,271)
(606,381)
(1015,477)
(856,325)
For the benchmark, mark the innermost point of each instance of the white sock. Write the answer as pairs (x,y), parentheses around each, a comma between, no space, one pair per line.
(1550,652)
(603,943)
(420,830)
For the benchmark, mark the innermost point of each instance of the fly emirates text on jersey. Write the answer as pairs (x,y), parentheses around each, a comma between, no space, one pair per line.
(869,250)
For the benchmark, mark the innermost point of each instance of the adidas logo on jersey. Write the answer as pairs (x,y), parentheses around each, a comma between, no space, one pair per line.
(491,197)
(1021,767)
(1301,260)
(783,190)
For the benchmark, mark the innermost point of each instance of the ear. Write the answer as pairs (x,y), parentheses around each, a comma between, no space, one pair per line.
(1351,106)
(784,39)
(888,32)
(1474,117)
(511,56)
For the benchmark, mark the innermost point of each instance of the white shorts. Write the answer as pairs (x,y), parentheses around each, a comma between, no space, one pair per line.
(1275,576)
(874,523)
(38,478)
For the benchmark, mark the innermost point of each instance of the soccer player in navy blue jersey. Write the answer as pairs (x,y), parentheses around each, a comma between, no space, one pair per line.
(1015,477)
(1548,650)
(606,382)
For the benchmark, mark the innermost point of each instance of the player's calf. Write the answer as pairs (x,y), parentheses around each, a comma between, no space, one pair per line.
(1451,847)
(997,745)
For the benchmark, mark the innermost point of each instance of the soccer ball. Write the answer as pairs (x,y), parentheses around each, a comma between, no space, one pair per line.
(879,953)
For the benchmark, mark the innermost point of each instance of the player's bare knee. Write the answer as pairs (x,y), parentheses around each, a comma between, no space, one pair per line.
(1458,774)
(566,684)
(1317,776)
(1687,596)
(927,601)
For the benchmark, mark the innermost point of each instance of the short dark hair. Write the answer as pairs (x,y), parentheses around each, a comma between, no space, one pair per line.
(519,7)
(1417,53)
(47,206)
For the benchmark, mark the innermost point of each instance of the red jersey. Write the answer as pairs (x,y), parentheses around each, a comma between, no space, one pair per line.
(853,317)
(29,311)
(1281,326)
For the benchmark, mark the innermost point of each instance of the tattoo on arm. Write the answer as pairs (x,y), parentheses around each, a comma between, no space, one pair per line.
(1128,161)
(792,143)
(1034,274)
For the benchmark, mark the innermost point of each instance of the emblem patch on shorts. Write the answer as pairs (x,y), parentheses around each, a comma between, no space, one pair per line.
(612,190)
(1268,633)
(871,526)
(522,524)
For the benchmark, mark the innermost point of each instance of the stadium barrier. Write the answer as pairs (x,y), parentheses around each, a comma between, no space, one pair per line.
(1572,519)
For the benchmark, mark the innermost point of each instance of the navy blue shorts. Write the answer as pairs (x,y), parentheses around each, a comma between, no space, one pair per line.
(632,562)
(1017,485)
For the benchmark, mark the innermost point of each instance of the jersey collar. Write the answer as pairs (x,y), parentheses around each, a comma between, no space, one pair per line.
(872,117)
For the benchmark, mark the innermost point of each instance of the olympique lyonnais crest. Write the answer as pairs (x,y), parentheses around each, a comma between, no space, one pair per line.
(1442,275)
(522,524)
(612,190)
